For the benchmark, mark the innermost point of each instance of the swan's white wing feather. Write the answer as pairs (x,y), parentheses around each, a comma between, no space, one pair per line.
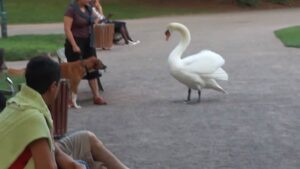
(219,74)
(203,62)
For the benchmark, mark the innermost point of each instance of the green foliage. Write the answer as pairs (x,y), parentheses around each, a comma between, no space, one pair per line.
(280,1)
(22,47)
(290,36)
(248,2)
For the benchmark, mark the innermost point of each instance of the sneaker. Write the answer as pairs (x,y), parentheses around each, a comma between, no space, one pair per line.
(133,42)
(137,41)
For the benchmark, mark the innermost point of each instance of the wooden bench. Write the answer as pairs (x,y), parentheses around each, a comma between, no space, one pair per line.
(59,109)
(104,35)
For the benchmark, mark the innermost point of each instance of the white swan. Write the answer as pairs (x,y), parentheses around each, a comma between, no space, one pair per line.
(197,71)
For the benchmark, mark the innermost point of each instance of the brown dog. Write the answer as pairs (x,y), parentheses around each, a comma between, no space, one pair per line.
(15,72)
(75,71)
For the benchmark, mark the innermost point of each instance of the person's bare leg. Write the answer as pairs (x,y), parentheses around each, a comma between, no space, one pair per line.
(102,154)
(94,88)
(95,91)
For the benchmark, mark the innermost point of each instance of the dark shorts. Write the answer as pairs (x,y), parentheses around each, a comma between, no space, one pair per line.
(86,52)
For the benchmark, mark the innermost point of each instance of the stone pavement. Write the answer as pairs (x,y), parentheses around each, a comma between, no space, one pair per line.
(147,124)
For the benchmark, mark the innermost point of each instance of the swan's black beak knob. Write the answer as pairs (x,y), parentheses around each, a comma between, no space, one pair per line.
(168,34)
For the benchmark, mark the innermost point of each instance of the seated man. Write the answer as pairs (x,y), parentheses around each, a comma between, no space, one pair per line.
(26,124)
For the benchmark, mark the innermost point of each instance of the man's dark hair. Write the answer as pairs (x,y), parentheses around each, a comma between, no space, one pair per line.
(41,72)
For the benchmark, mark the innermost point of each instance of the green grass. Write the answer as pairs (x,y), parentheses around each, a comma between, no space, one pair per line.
(22,47)
(17,81)
(37,11)
(290,36)
(125,10)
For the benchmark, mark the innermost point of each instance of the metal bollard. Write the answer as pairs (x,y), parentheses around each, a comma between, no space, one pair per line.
(3,20)
(3,24)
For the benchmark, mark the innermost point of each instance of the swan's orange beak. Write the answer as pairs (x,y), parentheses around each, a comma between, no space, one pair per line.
(168,34)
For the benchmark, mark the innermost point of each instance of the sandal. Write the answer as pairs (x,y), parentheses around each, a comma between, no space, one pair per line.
(99,101)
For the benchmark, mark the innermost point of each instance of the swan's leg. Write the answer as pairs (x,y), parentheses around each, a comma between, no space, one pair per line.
(189,95)
(199,95)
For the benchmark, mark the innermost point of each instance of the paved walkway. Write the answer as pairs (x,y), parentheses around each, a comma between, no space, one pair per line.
(146,123)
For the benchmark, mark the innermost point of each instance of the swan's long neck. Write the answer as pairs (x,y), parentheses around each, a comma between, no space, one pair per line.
(176,54)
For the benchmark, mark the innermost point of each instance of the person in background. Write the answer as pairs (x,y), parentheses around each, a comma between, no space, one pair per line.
(26,128)
(120,27)
(78,28)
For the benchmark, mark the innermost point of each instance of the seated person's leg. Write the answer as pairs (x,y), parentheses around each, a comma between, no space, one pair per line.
(84,145)
(119,28)
(101,153)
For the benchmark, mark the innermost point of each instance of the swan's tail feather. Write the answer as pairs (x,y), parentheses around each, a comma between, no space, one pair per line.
(219,74)
(219,88)
(212,84)
(225,92)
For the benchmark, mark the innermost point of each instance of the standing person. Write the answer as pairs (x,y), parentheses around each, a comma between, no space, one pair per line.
(78,27)
(26,126)
(120,26)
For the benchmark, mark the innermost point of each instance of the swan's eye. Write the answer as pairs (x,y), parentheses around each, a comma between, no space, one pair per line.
(168,34)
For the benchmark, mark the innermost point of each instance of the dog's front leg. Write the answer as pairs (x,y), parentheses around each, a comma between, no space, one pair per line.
(74,101)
